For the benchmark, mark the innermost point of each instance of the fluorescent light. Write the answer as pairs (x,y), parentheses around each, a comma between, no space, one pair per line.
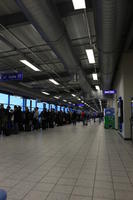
(73,95)
(90,55)
(56,97)
(30,65)
(65,100)
(53,81)
(46,93)
(97,87)
(79,4)
(95,78)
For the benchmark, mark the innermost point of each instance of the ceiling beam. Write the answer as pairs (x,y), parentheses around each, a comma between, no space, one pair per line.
(45,77)
(66,8)
(13,19)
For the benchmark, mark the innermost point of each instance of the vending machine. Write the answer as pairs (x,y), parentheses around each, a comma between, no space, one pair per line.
(109,118)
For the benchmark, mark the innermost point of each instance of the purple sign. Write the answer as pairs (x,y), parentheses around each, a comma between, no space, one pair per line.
(80,105)
(11,77)
(109,92)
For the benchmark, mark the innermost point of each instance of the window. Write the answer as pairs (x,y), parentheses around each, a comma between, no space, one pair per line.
(52,106)
(28,103)
(66,110)
(15,100)
(46,106)
(62,108)
(40,106)
(33,104)
(58,108)
(4,99)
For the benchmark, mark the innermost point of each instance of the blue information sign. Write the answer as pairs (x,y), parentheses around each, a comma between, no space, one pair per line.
(109,92)
(109,112)
(11,77)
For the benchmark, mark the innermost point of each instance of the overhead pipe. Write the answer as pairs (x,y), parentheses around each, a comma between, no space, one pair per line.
(43,16)
(10,88)
(109,21)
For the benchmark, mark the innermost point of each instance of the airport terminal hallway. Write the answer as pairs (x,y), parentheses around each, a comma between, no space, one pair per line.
(76,163)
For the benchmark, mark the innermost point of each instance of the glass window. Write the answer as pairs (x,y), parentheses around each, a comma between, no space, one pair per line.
(15,100)
(52,106)
(58,108)
(28,103)
(40,106)
(4,99)
(66,110)
(46,105)
(33,104)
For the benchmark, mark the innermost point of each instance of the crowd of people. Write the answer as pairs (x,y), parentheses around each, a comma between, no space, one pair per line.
(16,120)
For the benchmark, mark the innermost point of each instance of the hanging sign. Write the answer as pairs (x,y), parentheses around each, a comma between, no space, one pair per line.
(109,92)
(11,77)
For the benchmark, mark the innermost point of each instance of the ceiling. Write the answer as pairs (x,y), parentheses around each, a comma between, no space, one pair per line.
(53,36)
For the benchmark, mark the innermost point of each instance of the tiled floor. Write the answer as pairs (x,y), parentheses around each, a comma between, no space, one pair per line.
(67,163)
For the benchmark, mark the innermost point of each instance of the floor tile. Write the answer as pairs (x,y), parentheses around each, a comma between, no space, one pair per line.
(34,195)
(103,193)
(82,191)
(65,189)
(58,196)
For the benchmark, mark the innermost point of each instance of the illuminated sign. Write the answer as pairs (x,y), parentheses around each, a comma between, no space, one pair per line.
(109,92)
(11,77)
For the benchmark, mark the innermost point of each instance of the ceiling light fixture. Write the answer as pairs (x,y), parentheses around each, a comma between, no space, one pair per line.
(46,93)
(79,99)
(27,63)
(65,100)
(56,97)
(97,87)
(79,4)
(95,77)
(73,95)
(69,102)
(53,81)
(90,55)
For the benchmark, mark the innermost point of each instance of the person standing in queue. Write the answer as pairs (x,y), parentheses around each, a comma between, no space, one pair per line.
(16,119)
(36,119)
(83,117)
(27,120)
(74,118)
(43,116)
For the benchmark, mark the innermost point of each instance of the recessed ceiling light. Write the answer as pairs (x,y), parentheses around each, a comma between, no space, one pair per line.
(95,78)
(97,87)
(46,93)
(79,4)
(27,63)
(79,99)
(73,95)
(90,55)
(65,100)
(53,81)
(69,102)
(82,101)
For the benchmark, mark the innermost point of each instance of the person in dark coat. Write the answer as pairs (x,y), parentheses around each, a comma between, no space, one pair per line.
(16,119)
(44,120)
(2,118)
(27,119)
(74,118)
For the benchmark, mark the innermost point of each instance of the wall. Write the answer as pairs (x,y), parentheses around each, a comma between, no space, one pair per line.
(124,86)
